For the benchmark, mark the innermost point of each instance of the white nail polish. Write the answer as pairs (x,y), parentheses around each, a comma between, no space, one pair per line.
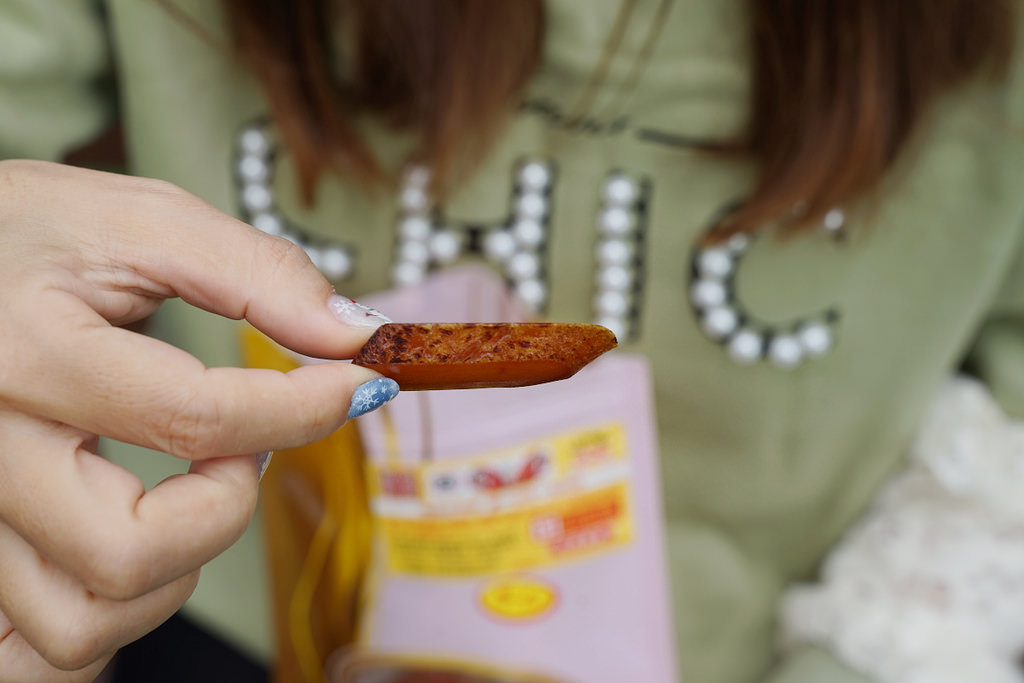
(262,462)
(355,314)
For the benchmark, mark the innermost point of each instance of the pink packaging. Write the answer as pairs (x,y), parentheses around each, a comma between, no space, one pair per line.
(518,533)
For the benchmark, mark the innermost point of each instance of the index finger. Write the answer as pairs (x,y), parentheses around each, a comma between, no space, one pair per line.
(165,241)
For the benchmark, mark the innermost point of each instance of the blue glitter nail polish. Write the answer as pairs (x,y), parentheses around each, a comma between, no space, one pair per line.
(372,395)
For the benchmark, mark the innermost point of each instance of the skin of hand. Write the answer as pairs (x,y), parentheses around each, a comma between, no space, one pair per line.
(90,560)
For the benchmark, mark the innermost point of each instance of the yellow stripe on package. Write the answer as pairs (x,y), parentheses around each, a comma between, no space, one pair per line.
(539,503)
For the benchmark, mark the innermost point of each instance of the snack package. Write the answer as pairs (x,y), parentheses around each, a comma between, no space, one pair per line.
(517,533)
(514,536)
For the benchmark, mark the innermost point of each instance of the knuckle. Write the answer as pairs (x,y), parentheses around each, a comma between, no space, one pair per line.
(282,256)
(193,429)
(73,651)
(73,644)
(120,571)
(160,188)
(231,509)
(233,518)
(317,419)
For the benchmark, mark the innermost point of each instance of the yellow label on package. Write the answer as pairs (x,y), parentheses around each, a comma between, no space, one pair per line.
(543,502)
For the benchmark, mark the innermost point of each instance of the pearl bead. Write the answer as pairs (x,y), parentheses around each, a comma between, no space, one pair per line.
(715,263)
(620,190)
(745,347)
(268,223)
(708,294)
(532,293)
(253,169)
(445,246)
(417,176)
(256,198)
(414,199)
(618,326)
(407,273)
(834,220)
(720,322)
(614,252)
(414,228)
(785,351)
(738,243)
(499,246)
(616,222)
(531,205)
(255,142)
(335,263)
(523,266)
(414,252)
(614,278)
(815,338)
(614,304)
(528,233)
(535,176)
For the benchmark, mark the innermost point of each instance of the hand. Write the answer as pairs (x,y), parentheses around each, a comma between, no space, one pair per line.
(89,560)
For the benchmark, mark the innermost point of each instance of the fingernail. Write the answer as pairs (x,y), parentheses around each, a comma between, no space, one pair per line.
(352,313)
(372,395)
(262,461)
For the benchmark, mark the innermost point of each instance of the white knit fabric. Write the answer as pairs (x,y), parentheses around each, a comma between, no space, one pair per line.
(929,586)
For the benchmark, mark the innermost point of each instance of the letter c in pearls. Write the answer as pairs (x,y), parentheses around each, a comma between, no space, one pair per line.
(725,320)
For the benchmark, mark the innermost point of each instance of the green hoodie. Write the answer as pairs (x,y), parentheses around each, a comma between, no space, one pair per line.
(764,467)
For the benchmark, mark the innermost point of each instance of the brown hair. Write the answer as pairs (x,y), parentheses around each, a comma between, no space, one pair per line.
(838,85)
(449,71)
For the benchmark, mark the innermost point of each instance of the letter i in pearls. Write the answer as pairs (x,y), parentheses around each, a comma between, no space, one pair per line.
(621,217)
(255,152)
(746,339)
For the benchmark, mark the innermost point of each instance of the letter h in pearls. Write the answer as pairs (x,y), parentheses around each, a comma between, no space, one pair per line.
(620,221)
(517,245)
(748,340)
(255,152)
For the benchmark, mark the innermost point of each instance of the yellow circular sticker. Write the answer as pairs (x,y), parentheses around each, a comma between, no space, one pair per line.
(518,597)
